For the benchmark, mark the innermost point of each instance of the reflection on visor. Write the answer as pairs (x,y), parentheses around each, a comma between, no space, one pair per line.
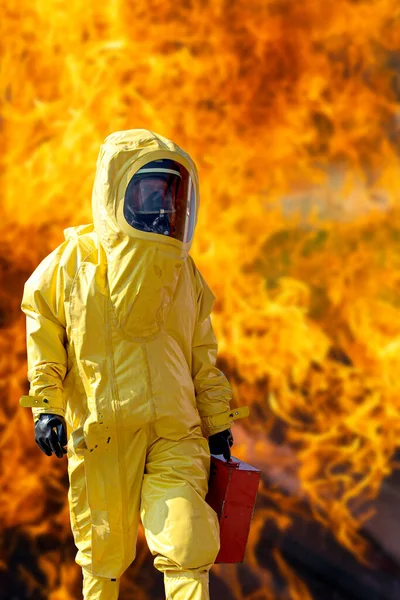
(160,199)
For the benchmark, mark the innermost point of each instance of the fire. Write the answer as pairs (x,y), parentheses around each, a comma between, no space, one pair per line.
(291,111)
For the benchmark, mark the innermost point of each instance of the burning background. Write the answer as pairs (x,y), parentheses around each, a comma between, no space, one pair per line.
(291,111)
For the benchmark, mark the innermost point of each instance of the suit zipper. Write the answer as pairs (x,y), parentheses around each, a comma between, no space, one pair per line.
(120,438)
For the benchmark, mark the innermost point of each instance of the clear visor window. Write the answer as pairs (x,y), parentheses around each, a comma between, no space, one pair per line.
(160,199)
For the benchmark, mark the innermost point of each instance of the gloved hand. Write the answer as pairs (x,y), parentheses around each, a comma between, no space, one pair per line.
(220,443)
(51,434)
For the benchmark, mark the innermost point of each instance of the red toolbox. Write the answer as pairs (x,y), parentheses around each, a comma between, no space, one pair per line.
(232,494)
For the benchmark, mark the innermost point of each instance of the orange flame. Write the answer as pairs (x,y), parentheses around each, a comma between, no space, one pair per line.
(291,111)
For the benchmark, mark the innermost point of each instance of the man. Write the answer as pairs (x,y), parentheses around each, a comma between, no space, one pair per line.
(121,361)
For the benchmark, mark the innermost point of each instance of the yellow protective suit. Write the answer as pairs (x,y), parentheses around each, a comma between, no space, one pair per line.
(120,342)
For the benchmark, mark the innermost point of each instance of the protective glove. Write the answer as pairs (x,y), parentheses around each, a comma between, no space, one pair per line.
(220,443)
(51,434)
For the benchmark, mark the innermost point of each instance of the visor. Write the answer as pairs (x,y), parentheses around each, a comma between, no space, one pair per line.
(160,199)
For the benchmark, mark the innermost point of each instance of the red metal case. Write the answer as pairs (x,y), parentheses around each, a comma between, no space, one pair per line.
(232,494)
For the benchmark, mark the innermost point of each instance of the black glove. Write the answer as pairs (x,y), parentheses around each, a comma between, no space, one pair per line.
(220,443)
(51,434)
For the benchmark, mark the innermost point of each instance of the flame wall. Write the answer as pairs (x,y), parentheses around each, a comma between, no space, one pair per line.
(291,111)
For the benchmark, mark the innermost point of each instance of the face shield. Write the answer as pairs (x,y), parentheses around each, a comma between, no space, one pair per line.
(160,198)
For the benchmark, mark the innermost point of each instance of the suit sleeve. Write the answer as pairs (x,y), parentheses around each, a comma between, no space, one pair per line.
(213,392)
(43,305)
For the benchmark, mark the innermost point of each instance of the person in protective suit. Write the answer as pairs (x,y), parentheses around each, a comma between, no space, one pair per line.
(121,363)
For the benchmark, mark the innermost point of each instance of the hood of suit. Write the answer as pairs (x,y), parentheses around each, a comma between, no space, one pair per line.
(143,268)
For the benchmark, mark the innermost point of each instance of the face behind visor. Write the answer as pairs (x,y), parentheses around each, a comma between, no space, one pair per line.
(160,198)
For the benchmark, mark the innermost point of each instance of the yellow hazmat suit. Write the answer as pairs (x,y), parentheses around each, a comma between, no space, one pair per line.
(120,342)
